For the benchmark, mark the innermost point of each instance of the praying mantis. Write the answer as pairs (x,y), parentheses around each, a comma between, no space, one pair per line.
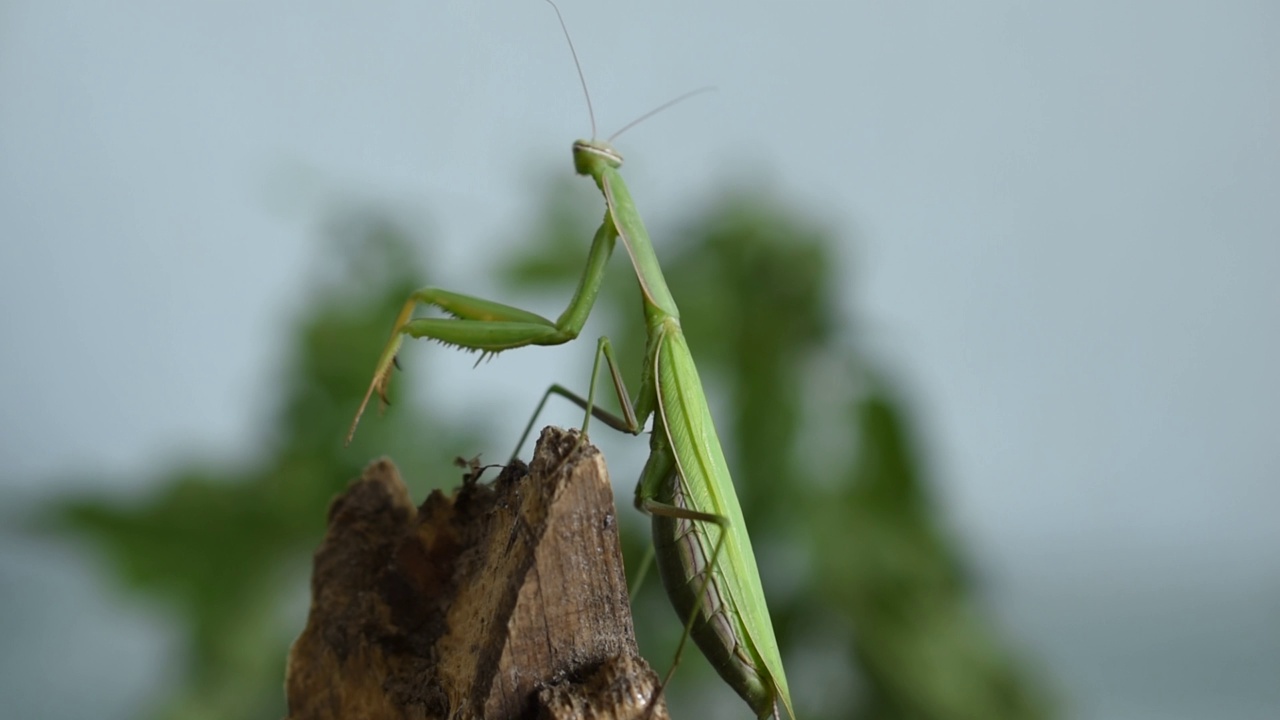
(685,486)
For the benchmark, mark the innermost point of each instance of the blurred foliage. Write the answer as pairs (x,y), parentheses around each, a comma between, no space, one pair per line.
(874,612)
(229,548)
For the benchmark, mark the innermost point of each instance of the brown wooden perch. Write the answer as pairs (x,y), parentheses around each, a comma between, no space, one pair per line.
(501,601)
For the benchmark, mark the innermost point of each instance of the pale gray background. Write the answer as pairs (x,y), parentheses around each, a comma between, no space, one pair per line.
(1068,230)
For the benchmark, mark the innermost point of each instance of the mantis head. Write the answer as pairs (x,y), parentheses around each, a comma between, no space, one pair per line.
(591,157)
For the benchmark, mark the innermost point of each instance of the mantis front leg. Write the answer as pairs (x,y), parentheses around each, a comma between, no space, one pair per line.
(487,326)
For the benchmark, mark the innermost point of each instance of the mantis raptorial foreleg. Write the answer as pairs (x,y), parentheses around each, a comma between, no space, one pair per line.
(487,326)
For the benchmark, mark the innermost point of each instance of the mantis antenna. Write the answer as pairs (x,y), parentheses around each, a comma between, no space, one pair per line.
(587,93)
(582,78)
(660,108)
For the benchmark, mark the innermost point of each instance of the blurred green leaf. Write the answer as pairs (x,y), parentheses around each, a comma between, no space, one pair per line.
(227,547)
(919,636)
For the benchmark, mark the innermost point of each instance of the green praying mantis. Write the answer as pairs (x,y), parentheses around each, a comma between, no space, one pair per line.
(685,486)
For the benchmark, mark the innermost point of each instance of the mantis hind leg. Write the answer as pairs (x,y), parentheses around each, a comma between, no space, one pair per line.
(641,573)
(675,512)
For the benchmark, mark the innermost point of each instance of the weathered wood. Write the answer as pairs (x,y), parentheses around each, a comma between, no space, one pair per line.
(501,601)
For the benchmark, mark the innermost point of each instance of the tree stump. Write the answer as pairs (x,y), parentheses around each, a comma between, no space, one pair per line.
(500,601)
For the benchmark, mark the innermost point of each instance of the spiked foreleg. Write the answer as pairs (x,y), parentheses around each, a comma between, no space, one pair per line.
(488,326)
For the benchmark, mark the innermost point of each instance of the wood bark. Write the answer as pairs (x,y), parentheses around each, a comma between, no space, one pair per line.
(502,600)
